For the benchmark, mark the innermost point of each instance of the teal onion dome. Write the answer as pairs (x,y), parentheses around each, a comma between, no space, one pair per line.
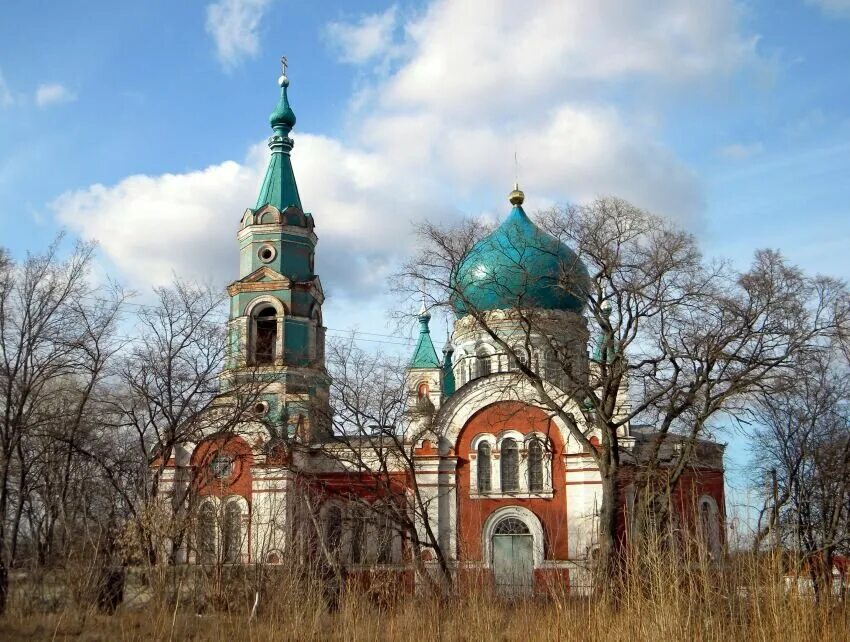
(282,118)
(519,265)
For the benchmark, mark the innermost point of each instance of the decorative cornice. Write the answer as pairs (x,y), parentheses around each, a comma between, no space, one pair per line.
(275,228)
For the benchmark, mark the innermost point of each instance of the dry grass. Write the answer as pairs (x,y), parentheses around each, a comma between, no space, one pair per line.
(744,601)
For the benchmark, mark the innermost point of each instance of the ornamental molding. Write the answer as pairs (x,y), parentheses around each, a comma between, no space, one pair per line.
(314,287)
(479,393)
(512,316)
(262,279)
(277,228)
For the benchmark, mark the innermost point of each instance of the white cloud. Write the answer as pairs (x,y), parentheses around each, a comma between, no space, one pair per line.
(368,38)
(154,226)
(502,55)
(740,151)
(151,227)
(53,93)
(234,26)
(834,7)
(468,84)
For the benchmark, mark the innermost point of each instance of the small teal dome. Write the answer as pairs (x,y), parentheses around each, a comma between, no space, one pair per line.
(520,265)
(282,117)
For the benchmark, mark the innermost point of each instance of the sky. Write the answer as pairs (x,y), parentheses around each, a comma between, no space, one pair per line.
(143,126)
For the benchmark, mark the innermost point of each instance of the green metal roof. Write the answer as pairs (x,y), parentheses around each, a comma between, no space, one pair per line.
(425,356)
(520,265)
(279,187)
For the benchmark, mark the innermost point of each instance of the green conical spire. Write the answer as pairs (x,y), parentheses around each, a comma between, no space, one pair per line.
(279,187)
(425,356)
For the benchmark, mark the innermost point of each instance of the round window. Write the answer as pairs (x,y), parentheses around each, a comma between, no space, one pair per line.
(222,466)
(266,253)
(261,408)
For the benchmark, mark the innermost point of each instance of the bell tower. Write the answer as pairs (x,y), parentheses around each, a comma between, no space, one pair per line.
(275,330)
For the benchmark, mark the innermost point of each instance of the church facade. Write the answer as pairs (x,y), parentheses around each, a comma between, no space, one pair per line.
(504,490)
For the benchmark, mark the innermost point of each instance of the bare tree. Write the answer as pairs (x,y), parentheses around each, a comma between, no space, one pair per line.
(801,433)
(165,385)
(680,342)
(374,430)
(56,337)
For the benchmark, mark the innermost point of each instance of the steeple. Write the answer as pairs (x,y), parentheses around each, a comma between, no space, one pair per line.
(425,356)
(279,187)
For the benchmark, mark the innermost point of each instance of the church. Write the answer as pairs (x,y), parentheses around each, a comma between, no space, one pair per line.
(503,491)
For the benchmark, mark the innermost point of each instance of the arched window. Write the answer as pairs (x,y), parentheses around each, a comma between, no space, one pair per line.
(422,391)
(205,536)
(484,480)
(358,537)
(510,466)
(385,540)
(535,466)
(266,336)
(710,525)
(483,365)
(511,526)
(333,529)
(517,356)
(232,533)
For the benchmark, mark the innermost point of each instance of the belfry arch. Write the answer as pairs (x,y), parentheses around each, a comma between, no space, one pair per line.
(266,323)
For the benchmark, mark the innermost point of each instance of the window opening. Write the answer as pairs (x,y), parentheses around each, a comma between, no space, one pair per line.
(358,537)
(266,322)
(333,529)
(206,534)
(511,526)
(535,466)
(484,468)
(221,466)
(385,545)
(510,466)
(232,533)
(483,364)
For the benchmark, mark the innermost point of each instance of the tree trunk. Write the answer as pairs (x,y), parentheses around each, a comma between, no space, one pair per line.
(610,557)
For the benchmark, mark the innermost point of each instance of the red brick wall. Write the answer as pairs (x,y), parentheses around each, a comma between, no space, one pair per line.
(240,480)
(692,484)
(472,513)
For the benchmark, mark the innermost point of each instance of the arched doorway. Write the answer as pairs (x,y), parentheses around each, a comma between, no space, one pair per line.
(513,557)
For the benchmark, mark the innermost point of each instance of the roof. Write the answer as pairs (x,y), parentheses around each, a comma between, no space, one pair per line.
(279,187)
(425,356)
(519,265)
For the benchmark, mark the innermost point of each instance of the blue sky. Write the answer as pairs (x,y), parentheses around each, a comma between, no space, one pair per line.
(143,125)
